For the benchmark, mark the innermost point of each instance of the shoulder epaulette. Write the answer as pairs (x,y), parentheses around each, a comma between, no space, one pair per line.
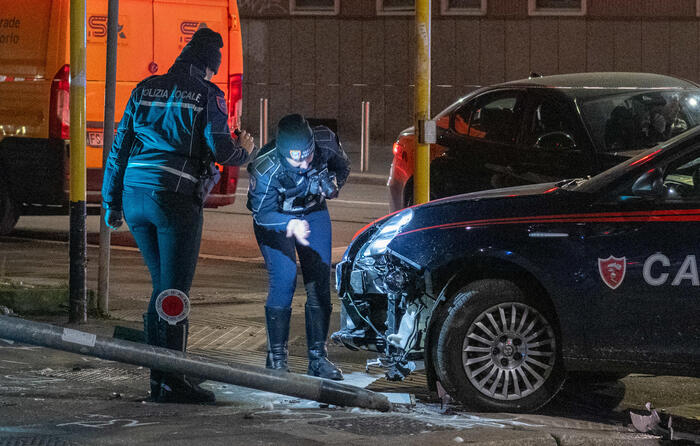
(263,165)
(325,137)
(265,160)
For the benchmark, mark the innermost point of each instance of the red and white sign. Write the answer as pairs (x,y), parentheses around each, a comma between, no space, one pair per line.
(173,306)
(612,270)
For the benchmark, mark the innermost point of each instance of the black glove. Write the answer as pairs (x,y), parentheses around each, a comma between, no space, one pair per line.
(114,219)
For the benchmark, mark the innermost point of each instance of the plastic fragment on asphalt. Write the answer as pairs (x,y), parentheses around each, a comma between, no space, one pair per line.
(445,398)
(652,424)
(647,423)
(458,440)
(402,399)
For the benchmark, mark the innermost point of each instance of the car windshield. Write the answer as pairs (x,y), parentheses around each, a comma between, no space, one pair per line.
(627,120)
(602,179)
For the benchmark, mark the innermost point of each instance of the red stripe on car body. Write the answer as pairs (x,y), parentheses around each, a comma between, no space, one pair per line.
(612,217)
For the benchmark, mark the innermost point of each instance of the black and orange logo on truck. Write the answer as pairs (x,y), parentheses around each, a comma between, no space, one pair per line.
(97,27)
(187,30)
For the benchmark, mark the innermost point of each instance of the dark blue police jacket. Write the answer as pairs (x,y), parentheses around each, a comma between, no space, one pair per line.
(271,177)
(171,124)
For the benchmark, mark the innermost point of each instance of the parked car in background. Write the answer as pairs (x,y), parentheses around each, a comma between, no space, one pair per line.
(545,129)
(502,292)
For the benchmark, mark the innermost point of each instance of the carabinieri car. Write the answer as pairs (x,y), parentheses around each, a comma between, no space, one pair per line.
(503,292)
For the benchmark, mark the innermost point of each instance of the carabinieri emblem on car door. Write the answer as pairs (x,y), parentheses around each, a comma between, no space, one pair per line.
(612,270)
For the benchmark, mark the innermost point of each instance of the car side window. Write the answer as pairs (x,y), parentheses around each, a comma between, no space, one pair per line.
(493,118)
(682,180)
(548,118)
(461,119)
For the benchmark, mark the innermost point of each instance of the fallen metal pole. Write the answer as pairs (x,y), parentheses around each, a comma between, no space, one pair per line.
(301,386)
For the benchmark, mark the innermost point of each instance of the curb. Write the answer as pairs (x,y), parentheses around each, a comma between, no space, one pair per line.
(35,301)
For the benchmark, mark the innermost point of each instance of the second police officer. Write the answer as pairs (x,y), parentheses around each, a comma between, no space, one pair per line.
(290,181)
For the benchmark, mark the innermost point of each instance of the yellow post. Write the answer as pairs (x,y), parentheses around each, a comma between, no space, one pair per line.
(421,181)
(77,305)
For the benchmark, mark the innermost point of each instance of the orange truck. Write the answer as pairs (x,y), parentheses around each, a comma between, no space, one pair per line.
(35,82)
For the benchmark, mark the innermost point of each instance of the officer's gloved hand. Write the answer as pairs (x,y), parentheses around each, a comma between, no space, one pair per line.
(245,139)
(113,218)
(300,230)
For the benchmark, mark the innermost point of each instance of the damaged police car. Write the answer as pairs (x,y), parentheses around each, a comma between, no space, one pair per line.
(503,292)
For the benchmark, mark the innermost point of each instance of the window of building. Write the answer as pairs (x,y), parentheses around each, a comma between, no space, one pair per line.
(557,7)
(463,7)
(396,7)
(314,7)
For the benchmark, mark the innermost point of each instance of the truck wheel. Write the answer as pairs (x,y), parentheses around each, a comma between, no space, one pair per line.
(499,350)
(9,212)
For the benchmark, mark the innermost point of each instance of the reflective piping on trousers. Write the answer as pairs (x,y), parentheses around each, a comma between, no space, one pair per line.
(167,169)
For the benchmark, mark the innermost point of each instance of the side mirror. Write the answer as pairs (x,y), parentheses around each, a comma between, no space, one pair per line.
(555,142)
(650,184)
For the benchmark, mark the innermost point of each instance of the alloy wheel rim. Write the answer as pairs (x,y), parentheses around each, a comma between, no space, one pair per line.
(509,351)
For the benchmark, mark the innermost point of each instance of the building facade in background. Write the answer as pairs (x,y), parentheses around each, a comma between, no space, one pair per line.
(322,58)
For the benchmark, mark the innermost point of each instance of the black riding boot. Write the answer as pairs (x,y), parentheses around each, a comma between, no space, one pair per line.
(277,319)
(150,330)
(176,387)
(317,321)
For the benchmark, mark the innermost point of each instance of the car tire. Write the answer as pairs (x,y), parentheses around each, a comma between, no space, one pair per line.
(9,212)
(499,350)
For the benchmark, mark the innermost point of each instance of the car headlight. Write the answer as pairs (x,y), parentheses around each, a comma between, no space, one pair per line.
(379,241)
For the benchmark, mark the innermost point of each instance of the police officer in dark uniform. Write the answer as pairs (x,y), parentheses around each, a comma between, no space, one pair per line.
(173,127)
(290,181)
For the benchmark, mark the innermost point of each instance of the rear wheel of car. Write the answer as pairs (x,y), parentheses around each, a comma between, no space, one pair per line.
(498,350)
(9,212)
(408,194)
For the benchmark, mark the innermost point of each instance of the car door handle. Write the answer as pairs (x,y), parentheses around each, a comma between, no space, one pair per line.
(541,231)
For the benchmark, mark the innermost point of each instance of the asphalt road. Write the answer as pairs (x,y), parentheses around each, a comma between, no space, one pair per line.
(228,230)
(50,397)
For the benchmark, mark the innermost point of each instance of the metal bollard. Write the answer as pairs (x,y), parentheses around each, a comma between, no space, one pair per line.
(263,121)
(364,143)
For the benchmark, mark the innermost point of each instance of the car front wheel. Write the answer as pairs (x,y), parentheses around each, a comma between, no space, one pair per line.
(498,350)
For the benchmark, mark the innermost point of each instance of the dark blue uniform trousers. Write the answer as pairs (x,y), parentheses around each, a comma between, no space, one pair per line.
(280,255)
(280,258)
(167,227)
